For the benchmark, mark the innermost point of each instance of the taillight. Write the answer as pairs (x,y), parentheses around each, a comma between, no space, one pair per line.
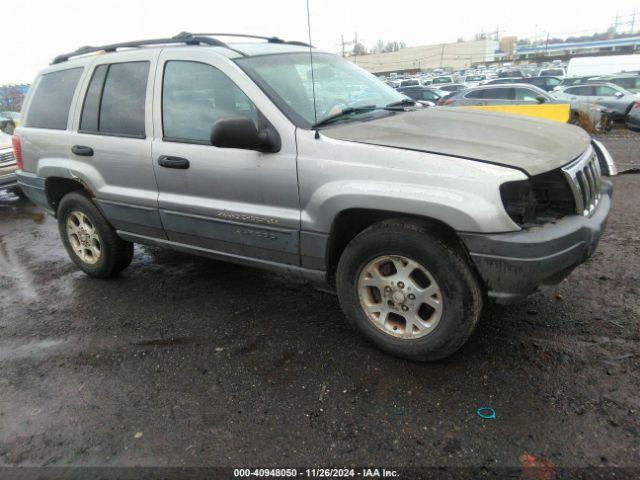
(17,151)
(636,105)
(445,101)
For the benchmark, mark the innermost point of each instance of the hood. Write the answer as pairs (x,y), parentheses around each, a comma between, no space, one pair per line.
(5,140)
(529,144)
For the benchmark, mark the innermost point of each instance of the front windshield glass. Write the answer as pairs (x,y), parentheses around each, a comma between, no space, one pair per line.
(475,78)
(339,85)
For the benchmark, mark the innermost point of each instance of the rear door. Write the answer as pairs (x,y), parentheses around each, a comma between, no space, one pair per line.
(111,140)
(228,201)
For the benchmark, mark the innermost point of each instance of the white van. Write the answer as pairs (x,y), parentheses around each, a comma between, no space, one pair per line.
(583,66)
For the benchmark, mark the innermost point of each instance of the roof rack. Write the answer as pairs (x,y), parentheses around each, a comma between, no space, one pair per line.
(242,35)
(183,37)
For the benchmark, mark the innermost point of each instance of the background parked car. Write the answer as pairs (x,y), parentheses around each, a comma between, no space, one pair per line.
(8,164)
(633,119)
(515,94)
(9,121)
(552,72)
(444,80)
(410,82)
(569,81)
(510,73)
(626,81)
(545,83)
(608,95)
(474,80)
(453,87)
(422,94)
(503,80)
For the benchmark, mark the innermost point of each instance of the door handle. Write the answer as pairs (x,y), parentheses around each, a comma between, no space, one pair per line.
(82,150)
(173,162)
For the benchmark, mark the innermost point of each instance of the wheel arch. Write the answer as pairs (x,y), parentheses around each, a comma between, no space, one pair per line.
(350,222)
(57,187)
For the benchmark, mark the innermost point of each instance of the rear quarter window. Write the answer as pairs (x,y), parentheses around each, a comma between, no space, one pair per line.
(51,102)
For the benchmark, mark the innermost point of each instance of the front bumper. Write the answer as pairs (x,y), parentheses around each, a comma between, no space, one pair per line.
(514,265)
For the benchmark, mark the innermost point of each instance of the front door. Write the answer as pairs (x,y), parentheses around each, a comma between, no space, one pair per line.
(240,203)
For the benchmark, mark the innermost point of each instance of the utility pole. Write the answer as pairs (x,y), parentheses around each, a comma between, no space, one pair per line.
(442,55)
(546,46)
(343,44)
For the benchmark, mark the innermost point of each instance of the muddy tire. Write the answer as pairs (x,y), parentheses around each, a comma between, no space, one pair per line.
(89,239)
(408,291)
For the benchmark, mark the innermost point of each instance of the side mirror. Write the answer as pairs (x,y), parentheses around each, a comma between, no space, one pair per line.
(541,99)
(241,132)
(619,94)
(7,126)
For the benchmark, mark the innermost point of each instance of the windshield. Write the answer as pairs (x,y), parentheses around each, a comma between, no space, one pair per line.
(475,78)
(339,85)
(442,80)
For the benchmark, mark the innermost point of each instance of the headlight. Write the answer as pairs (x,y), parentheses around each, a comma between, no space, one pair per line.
(541,199)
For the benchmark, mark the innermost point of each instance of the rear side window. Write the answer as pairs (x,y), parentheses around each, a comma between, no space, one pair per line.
(498,94)
(585,91)
(52,99)
(115,100)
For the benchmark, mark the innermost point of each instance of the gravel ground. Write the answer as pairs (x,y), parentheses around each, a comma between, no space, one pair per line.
(183,361)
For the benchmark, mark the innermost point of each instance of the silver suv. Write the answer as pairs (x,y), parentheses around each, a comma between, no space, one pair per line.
(245,152)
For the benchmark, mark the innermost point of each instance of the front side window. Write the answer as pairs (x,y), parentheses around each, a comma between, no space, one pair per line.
(52,99)
(196,95)
(338,85)
(604,91)
(115,100)
(526,95)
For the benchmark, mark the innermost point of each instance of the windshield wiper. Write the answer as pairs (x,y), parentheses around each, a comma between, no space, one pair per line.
(401,103)
(344,113)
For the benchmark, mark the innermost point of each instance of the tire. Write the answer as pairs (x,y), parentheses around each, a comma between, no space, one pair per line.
(458,296)
(105,254)
(17,191)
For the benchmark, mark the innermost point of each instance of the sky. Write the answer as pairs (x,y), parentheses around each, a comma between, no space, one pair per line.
(35,31)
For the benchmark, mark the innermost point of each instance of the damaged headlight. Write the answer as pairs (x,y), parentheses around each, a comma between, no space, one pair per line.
(541,199)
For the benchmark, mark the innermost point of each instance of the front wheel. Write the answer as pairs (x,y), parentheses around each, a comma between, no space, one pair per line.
(89,239)
(409,292)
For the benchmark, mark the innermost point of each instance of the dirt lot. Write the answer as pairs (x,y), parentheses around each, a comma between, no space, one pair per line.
(187,361)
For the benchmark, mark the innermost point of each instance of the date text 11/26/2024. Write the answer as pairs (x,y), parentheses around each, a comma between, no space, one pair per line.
(315,472)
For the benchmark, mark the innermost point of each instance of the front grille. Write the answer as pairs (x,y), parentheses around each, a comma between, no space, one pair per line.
(7,156)
(585,179)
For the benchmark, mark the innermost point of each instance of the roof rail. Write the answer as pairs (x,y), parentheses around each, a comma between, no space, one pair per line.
(242,35)
(181,38)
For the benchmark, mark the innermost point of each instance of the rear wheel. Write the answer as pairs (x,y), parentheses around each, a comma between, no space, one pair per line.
(407,291)
(89,239)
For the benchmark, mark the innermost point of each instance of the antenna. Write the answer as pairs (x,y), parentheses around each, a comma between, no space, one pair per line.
(313,80)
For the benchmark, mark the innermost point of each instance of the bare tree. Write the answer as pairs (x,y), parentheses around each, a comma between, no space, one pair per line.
(359,49)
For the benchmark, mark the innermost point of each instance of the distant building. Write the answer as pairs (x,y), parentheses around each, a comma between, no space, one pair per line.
(444,55)
(508,45)
(573,49)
